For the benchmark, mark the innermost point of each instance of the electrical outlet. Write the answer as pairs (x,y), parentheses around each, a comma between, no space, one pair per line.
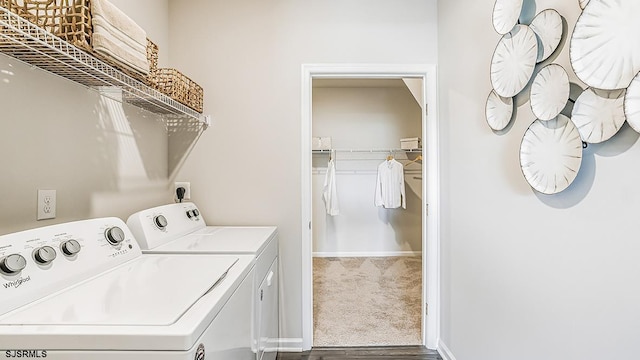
(46,204)
(187,188)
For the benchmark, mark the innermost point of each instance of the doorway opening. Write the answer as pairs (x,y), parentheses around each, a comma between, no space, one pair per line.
(428,203)
(367,243)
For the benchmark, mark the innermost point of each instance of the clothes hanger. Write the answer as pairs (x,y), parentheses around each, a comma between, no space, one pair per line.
(418,158)
(390,156)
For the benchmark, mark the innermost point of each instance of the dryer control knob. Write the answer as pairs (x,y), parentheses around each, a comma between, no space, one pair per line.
(160,221)
(44,255)
(196,212)
(114,235)
(12,264)
(190,214)
(70,247)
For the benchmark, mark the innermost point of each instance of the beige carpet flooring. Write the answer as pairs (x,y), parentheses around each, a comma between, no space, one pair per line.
(367,301)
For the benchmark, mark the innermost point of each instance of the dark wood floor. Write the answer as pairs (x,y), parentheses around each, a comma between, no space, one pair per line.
(357,353)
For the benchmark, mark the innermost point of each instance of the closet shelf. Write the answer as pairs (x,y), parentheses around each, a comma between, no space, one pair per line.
(37,47)
(366,151)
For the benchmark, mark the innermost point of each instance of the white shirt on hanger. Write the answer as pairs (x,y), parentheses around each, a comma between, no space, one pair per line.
(390,192)
(329,191)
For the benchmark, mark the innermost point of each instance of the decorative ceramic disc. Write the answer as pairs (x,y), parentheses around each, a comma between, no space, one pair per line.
(605,51)
(599,114)
(506,14)
(583,3)
(632,104)
(513,61)
(549,92)
(551,154)
(548,26)
(498,111)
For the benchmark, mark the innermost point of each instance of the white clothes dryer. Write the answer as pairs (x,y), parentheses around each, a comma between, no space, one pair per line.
(180,229)
(84,290)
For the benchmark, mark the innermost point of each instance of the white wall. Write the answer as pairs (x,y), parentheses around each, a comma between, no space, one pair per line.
(528,276)
(248,55)
(365,118)
(102,157)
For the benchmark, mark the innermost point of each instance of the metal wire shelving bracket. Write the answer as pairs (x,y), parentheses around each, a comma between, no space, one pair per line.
(35,46)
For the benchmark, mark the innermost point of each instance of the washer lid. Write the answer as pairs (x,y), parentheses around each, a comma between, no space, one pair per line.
(153,290)
(222,240)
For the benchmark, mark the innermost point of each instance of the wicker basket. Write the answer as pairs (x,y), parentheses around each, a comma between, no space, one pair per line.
(152,56)
(179,87)
(47,14)
(71,21)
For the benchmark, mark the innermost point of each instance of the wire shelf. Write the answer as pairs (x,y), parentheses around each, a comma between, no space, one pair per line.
(367,151)
(35,46)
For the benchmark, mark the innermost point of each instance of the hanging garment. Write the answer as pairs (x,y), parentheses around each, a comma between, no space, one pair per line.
(330,192)
(390,191)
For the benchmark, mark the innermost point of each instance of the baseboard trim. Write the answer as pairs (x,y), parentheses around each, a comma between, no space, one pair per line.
(290,345)
(444,351)
(367,253)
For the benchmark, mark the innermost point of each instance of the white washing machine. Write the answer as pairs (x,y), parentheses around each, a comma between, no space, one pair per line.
(85,291)
(180,229)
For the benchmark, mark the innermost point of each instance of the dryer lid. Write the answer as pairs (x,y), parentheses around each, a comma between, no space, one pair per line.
(153,290)
(222,240)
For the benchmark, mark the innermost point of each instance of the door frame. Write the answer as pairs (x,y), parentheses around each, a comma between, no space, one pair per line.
(430,186)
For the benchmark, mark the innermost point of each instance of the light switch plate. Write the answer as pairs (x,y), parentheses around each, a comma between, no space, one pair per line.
(46,204)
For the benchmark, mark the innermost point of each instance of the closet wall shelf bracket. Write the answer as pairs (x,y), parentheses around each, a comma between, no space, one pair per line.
(39,48)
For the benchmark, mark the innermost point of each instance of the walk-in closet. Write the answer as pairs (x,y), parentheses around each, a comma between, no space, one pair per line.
(367,249)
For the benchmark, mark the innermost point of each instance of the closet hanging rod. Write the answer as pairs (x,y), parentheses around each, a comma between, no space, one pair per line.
(362,172)
(366,150)
(379,158)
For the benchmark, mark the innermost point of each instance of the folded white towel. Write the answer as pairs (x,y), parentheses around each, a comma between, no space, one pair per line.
(108,46)
(101,25)
(117,36)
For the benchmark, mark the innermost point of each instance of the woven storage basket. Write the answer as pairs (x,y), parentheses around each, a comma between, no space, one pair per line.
(3,29)
(179,87)
(152,57)
(71,21)
(47,14)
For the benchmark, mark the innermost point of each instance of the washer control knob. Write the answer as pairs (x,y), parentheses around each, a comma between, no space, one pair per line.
(114,235)
(196,212)
(44,255)
(190,214)
(12,264)
(70,247)
(160,221)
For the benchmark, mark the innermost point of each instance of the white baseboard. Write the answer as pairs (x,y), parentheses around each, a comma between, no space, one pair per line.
(290,345)
(367,253)
(444,351)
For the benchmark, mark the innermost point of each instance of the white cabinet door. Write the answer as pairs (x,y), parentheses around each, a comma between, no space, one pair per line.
(268,314)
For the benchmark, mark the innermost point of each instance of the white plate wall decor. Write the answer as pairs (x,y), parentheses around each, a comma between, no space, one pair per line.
(549,92)
(506,14)
(583,3)
(513,61)
(604,50)
(498,111)
(551,154)
(548,26)
(632,104)
(599,114)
